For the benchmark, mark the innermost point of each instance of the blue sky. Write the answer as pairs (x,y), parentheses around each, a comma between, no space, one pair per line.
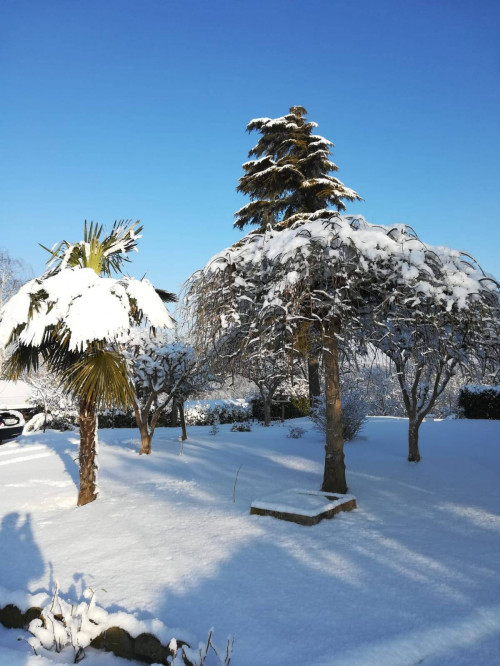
(118,109)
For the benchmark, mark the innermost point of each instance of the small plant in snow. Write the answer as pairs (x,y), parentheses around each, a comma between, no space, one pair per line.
(295,432)
(241,427)
(214,429)
(65,625)
(197,657)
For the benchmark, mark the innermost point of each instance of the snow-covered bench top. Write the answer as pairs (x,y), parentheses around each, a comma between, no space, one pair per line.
(305,507)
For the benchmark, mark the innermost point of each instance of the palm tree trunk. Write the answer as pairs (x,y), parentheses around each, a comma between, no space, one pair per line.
(334,472)
(87,455)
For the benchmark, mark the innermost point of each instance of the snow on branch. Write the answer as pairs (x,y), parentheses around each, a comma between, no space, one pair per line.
(343,266)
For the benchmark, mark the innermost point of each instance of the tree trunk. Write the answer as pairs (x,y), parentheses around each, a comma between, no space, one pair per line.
(44,415)
(313,370)
(334,473)
(267,410)
(146,439)
(87,455)
(183,422)
(413,452)
(314,378)
(174,414)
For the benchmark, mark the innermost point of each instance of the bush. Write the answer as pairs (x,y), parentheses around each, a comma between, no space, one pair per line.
(480,402)
(294,409)
(58,421)
(65,627)
(241,427)
(219,412)
(301,405)
(295,432)
(114,418)
(354,412)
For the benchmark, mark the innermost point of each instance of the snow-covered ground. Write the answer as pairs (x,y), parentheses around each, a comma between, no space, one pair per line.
(411,576)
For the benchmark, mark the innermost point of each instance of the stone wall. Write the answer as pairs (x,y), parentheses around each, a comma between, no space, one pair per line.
(145,647)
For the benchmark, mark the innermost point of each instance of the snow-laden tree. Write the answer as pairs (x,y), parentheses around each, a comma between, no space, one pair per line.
(69,317)
(261,351)
(290,179)
(13,274)
(291,173)
(269,370)
(485,368)
(164,371)
(339,272)
(377,379)
(429,344)
(48,394)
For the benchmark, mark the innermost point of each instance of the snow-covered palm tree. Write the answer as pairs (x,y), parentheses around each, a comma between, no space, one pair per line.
(69,319)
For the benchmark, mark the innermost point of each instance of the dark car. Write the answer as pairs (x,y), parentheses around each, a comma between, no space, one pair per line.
(11,424)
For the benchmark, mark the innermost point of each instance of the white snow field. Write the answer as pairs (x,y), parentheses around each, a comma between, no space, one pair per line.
(411,576)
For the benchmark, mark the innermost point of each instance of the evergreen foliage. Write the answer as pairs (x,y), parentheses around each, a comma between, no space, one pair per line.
(480,402)
(291,173)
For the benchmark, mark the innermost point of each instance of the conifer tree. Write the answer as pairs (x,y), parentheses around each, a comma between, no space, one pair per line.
(291,180)
(291,174)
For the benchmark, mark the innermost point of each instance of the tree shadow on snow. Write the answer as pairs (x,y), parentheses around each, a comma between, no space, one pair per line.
(344,583)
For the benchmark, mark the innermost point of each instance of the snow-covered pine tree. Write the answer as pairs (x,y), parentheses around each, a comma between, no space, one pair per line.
(290,179)
(291,174)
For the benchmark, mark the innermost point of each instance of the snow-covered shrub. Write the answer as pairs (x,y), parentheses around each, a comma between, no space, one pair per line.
(241,427)
(60,422)
(208,412)
(295,432)
(63,625)
(480,402)
(37,422)
(66,626)
(354,412)
(214,429)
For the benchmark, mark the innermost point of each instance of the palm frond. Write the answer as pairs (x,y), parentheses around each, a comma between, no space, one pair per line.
(103,256)
(101,377)
(166,296)
(23,359)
